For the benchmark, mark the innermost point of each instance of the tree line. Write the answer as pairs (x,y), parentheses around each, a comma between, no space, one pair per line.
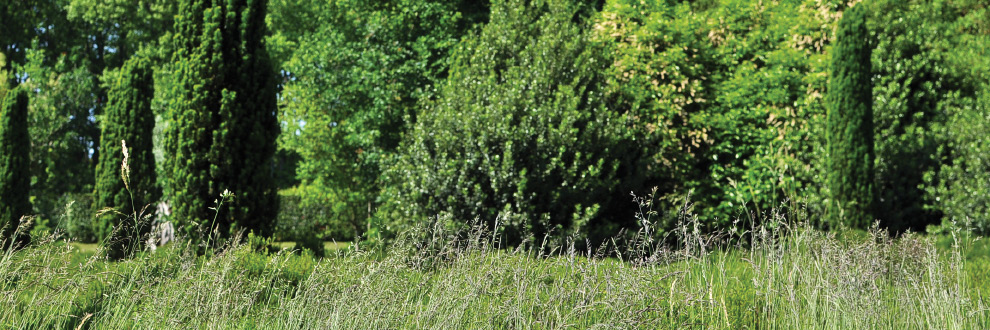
(364,119)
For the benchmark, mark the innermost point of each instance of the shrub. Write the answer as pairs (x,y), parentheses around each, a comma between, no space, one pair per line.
(311,244)
(261,258)
(519,134)
(261,244)
(963,191)
(916,89)
(724,98)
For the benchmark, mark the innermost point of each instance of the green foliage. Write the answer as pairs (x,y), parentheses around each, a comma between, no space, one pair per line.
(121,28)
(25,22)
(223,124)
(311,245)
(389,114)
(5,77)
(355,82)
(64,96)
(850,124)
(15,161)
(41,229)
(261,244)
(926,70)
(519,134)
(260,249)
(125,178)
(75,217)
(724,99)
(60,48)
(962,192)
(307,215)
(290,21)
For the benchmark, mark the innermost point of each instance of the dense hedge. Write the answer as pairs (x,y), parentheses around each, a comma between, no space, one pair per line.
(963,190)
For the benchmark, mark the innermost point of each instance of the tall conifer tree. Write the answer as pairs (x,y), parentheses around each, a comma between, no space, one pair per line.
(15,175)
(128,118)
(223,117)
(850,124)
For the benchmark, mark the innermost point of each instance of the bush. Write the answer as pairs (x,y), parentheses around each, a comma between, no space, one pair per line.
(917,86)
(261,244)
(64,96)
(963,191)
(725,98)
(519,135)
(312,245)
(261,260)
(929,66)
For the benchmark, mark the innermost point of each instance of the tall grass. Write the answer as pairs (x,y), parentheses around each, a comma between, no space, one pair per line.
(777,275)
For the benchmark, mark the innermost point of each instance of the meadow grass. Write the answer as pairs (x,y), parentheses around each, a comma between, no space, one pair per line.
(779,276)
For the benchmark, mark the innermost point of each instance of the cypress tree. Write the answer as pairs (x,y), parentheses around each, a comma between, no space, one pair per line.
(15,175)
(850,124)
(128,118)
(223,117)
